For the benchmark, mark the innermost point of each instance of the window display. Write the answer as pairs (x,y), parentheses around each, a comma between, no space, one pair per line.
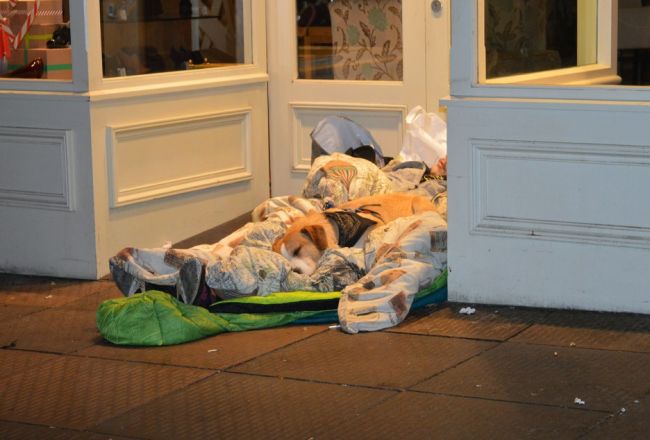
(541,36)
(343,40)
(634,42)
(524,37)
(35,40)
(151,36)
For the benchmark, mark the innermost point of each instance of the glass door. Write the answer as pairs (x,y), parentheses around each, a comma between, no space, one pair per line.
(349,41)
(368,61)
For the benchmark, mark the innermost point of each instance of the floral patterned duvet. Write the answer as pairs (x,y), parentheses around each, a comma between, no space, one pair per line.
(378,282)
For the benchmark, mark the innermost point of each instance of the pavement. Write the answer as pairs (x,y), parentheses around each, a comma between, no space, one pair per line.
(500,373)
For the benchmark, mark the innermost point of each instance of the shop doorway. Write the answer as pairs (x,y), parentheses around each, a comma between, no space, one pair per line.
(369,61)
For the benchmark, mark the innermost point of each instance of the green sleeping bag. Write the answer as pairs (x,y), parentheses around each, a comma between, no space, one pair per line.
(156,318)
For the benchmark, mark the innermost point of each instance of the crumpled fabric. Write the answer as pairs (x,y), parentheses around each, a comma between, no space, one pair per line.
(341,178)
(133,269)
(338,268)
(286,208)
(241,264)
(254,271)
(338,178)
(404,176)
(403,257)
(378,282)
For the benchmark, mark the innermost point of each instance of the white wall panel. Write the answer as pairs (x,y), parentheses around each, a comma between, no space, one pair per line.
(46,195)
(564,191)
(174,165)
(159,158)
(36,168)
(549,204)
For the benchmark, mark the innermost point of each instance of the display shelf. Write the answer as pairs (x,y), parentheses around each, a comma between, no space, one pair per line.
(140,37)
(157,19)
(35,40)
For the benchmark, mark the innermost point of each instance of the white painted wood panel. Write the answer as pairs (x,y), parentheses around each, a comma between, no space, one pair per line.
(159,158)
(48,226)
(581,189)
(36,169)
(180,163)
(548,204)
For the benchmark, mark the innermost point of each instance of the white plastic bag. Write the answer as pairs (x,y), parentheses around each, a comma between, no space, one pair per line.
(425,137)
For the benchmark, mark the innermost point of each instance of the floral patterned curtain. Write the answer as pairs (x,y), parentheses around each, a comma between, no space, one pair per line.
(367,39)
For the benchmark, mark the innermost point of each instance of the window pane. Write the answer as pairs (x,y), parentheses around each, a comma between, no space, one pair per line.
(525,36)
(634,42)
(150,36)
(350,40)
(35,40)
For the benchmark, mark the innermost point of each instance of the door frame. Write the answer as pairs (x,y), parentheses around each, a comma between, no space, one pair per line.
(295,105)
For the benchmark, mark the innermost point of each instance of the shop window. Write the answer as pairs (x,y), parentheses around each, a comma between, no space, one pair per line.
(634,42)
(565,42)
(532,36)
(349,40)
(152,36)
(35,40)
(548,42)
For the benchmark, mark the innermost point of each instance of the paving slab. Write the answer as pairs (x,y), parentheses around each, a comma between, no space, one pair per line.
(51,330)
(421,416)
(9,312)
(91,302)
(18,361)
(12,280)
(631,422)
(237,406)
(49,292)
(378,359)
(23,431)
(75,393)
(610,331)
(217,352)
(497,323)
(529,373)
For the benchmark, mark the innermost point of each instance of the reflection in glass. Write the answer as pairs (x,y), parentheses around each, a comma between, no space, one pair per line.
(350,40)
(150,36)
(634,42)
(524,36)
(35,40)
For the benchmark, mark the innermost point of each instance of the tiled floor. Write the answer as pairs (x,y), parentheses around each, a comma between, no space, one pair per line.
(500,373)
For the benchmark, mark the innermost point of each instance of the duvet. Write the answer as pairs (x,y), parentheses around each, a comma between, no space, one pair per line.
(377,284)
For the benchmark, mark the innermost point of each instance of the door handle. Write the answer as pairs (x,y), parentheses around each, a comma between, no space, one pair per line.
(436,6)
